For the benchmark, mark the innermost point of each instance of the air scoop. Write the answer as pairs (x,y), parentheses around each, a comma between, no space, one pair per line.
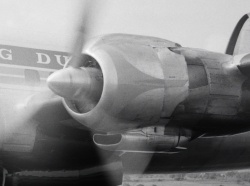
(77,84)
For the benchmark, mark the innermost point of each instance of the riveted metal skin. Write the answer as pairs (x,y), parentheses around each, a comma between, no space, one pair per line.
(218,93)
(147,80)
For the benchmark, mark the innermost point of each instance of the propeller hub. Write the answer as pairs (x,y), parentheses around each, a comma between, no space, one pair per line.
(77,83)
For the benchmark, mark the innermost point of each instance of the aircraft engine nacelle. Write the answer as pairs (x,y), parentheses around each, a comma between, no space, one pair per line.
(126,82)
(149,139)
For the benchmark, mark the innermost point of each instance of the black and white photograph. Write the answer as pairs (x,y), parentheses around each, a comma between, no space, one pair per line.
(124,93)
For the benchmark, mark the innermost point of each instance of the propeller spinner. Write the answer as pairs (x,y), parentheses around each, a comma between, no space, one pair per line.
(77,83)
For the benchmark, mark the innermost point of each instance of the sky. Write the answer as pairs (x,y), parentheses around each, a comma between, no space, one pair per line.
(51,24)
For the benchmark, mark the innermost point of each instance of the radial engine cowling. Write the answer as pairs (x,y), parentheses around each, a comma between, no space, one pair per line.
(142,81)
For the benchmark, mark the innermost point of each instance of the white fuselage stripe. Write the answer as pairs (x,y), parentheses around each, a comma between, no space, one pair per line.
(18,76)
(28,67)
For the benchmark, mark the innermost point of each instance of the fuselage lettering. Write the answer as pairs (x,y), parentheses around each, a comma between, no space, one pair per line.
(6,54)
(43,58)
(66,59)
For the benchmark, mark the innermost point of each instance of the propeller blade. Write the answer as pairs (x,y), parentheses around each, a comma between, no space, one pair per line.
(76,83)
(44,107)
(83,29)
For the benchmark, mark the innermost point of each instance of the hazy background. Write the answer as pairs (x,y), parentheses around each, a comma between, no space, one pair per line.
(51,24)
